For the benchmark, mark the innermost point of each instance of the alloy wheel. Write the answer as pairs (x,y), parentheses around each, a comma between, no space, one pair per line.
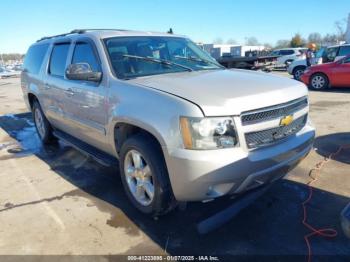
(139,177)
(39,122)
(298,74)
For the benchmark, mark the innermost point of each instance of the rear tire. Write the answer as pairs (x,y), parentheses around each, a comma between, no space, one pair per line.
(318,81)
(144,175)
(42,126)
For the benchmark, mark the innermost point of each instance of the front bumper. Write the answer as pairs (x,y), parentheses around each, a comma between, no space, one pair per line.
(305,78)
(202,175)
(290,69)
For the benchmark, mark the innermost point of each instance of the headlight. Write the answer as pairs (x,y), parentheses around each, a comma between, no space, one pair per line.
(208,133)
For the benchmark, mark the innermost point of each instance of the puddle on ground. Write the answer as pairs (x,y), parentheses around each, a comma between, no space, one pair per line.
(22,129)
(120,220)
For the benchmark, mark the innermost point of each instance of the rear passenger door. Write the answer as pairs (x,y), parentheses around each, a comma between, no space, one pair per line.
(86,106)
(56,88)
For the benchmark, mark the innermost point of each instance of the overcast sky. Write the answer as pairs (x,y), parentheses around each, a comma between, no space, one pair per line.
(23,22)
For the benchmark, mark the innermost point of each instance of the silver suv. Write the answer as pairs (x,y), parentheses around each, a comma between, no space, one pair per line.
(182,127)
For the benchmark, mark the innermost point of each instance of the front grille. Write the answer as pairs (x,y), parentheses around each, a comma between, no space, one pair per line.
(269,113)
(268,136)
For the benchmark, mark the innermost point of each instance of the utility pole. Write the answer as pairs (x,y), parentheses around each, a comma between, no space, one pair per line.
(347,33)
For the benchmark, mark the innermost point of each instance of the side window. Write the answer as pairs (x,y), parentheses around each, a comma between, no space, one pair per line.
(58,59)
(286,52)
(347,60)
(84,53)
(332,53)
(34,58)
(344,50)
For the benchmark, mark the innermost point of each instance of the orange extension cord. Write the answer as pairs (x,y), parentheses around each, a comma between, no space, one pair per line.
(324,232)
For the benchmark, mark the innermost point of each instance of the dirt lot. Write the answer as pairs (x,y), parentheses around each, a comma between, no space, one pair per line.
(55,200)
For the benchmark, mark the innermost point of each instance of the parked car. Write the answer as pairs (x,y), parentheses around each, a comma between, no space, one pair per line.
(288,55)
(336,74)
(4,73)
(183,127)
(324,55)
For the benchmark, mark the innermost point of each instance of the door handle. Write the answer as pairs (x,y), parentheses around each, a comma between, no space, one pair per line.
(69,92)
(47,86)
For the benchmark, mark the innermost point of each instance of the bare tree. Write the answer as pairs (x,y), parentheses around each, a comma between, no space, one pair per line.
(267,45)
(14,56)
(218,40)
(315,38)
(282,43)
(251,41)
(330,39)
(231,41)
(340,29)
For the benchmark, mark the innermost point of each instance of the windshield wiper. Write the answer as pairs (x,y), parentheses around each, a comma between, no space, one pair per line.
(197,59)
(155,60)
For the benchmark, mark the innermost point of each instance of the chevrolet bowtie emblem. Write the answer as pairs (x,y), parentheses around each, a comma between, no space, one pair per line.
(287,120)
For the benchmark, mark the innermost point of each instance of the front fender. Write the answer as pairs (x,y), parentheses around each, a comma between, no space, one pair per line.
(154,111)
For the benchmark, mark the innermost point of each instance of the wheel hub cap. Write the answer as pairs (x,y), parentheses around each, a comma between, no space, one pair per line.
(318,82)
(139,177)
(39,122)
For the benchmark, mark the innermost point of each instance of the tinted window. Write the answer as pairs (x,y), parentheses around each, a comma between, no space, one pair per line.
(331,54)
(34,58)
(84,53)
(347,60)
(58,59)
(140,56)
(286,52)
(344,50)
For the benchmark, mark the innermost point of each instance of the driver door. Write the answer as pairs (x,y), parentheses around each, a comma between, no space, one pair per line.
(85,107)
(341,73)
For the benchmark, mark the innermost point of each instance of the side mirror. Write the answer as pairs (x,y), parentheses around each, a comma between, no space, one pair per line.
(82,71)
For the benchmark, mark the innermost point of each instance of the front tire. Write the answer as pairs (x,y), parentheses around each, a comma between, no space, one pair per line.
(42,126)
(318,81)
(297,72)
(144,175)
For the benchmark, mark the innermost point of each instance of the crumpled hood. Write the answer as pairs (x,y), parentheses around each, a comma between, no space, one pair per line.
(227,92)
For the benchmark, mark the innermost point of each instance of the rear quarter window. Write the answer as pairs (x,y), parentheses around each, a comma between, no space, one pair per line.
(34,58)
(286,52)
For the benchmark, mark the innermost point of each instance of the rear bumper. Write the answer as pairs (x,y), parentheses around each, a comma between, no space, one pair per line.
(203,175)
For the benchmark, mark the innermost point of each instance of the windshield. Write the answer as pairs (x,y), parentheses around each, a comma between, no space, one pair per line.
(150,55)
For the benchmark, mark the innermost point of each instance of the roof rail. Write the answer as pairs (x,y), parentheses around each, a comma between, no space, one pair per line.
(53,36)
(79,31)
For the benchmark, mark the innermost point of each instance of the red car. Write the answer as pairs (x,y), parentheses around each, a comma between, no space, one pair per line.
(336,74)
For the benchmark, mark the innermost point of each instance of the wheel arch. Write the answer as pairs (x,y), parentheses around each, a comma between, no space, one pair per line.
(321,73)
(31,98)
(124,129)
(297,67)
